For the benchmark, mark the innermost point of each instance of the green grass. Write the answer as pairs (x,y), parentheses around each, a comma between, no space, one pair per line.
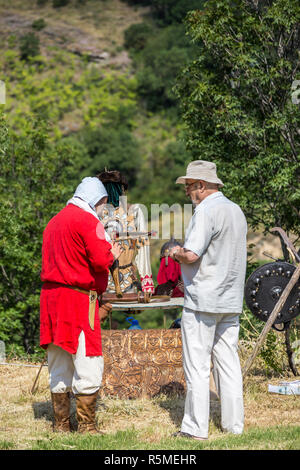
(274,438)
(6,445)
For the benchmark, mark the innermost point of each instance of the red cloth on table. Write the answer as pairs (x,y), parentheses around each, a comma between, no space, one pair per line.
(74,253)
(170,272)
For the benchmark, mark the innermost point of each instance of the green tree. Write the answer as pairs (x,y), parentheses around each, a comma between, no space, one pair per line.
(168,11)
(156,181)
(59,3)
(166,52)
(136,36)
(238,104)
(173,11)
(37,177)
(111,148)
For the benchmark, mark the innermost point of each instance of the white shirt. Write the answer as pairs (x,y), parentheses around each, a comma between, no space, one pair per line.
(217,234)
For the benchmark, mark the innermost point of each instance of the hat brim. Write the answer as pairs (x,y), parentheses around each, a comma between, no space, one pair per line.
(182,180)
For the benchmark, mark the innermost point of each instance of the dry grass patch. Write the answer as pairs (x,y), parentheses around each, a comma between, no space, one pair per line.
(264,409)
(154,419)
(27,418)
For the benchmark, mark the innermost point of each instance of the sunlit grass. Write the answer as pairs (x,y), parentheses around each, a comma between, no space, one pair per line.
(272,422)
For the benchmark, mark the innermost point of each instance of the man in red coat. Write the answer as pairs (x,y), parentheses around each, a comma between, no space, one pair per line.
(75,262)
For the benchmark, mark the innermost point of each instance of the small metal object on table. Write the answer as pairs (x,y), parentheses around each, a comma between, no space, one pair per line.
(138,307)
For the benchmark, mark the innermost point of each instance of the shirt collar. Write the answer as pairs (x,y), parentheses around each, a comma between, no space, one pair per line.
(209,198)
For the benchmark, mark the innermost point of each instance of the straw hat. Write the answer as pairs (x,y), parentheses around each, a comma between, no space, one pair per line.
(201,170)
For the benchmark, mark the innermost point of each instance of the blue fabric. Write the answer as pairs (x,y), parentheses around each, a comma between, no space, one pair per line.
(91,190)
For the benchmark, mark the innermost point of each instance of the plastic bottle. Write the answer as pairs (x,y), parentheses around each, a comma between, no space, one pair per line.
(134,324)
(292,388)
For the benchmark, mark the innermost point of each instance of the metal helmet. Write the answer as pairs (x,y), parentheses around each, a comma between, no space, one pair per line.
(167,246)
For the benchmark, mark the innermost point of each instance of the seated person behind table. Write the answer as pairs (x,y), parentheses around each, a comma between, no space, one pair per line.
(169,273)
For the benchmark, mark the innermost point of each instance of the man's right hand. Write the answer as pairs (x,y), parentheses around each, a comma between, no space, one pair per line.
(116,250)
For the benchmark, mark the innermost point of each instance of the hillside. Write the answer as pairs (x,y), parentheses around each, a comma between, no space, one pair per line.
(96,30)
(76,46)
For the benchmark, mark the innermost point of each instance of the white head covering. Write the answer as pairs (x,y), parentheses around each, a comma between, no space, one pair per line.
(91,190)
(87,194)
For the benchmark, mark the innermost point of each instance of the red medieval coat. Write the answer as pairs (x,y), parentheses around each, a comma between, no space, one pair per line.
(74,253)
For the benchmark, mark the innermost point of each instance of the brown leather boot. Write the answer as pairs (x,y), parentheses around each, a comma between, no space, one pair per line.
(61,410)
(86,413)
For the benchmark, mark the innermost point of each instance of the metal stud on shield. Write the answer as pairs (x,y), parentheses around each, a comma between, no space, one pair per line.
(265,286)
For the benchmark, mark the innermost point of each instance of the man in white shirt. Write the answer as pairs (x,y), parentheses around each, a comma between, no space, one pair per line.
(213,264)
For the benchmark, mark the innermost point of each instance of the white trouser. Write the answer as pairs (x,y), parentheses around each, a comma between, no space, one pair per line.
(74,372)
(212,337)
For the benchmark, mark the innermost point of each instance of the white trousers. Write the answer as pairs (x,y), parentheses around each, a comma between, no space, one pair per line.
(74,372)
(212,337)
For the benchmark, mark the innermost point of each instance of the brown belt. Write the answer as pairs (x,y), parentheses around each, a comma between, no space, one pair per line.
(92,301)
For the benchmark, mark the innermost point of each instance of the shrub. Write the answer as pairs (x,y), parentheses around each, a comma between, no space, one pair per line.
(39,24)
(169,11)
(59,3)
(29,46)
(136,36)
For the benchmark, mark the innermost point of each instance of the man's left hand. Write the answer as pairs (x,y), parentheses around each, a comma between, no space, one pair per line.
(183,256)
(173,251)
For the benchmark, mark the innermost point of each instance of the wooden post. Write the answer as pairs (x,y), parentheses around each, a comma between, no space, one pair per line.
(272,318)
(289,351)
(38,374)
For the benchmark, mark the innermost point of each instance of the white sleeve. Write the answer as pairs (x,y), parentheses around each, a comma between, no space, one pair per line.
(199,233)
(142,259)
